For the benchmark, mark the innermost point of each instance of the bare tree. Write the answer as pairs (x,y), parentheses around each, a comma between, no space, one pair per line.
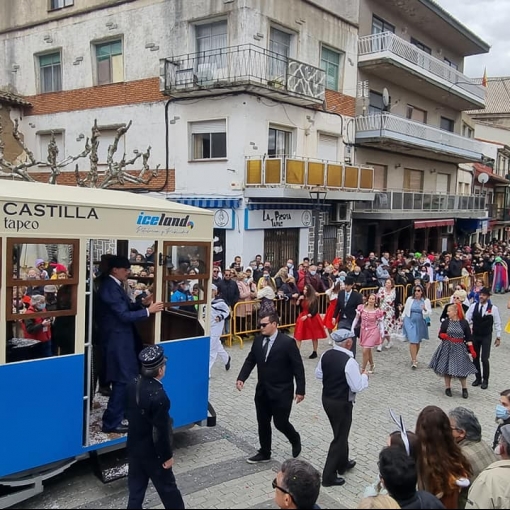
(116,172)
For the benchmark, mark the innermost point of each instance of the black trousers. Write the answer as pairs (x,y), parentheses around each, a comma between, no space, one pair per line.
(279,411)
(140,470)
(482,345)
(340,417)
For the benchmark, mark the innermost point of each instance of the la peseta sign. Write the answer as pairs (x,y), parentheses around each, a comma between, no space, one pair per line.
(27,217)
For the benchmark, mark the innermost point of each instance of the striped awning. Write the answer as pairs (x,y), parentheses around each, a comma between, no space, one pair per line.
(209,203)
(257,206)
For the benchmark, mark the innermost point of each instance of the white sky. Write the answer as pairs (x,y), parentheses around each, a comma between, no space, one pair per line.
(489,20)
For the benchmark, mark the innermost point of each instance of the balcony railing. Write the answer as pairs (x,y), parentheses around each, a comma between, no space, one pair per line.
(300,172)
(421,201)
(388,42)
(388,125)
(242,65)
(496,212)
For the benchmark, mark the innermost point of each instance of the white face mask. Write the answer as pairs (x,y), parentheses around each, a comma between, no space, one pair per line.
(497,450)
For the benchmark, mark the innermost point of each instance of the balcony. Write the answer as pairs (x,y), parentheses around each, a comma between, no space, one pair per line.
(498,213)
(395,205)
(402,63)
(396,134)
(242,68)
(293,177)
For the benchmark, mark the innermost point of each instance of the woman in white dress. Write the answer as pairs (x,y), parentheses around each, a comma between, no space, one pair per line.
(390,304)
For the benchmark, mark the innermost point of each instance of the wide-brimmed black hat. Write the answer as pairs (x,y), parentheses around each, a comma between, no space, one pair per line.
(118,262)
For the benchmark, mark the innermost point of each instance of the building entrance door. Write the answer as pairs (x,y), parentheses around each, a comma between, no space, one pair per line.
(281,245)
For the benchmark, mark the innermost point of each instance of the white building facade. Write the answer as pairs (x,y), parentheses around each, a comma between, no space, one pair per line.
(247,106)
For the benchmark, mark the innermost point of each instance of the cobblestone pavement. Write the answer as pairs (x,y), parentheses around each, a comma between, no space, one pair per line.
(210,464)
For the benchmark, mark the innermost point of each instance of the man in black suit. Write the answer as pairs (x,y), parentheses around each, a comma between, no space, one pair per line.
(345,311)
(278,363)
(149,442)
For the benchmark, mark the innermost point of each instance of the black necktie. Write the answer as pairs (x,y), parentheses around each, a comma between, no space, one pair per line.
(265,346)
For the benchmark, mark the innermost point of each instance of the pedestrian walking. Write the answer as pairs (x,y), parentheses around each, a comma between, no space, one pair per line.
(278,363)
(484,318)
(341,380)
(220,312)
(451,358)
(417,312)
(149,441)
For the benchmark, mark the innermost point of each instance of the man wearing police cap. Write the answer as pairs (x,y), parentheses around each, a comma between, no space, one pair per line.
(121,343)
(149,441)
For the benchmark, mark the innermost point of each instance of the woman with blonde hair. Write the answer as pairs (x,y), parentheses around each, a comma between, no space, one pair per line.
(267,295)
(243,312)
(379,501)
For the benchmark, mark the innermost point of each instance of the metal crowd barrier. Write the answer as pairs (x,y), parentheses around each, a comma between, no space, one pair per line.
(244,318)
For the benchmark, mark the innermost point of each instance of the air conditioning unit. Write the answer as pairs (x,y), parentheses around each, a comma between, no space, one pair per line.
(449,229)
(341,213)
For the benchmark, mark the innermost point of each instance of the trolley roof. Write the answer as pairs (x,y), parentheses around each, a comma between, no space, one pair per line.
(74,195)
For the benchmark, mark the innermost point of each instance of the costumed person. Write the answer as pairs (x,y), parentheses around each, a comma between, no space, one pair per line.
(220,312)
(371,331)
(451,358)
(500,276)
(391,306)
(309,324)
(332,294)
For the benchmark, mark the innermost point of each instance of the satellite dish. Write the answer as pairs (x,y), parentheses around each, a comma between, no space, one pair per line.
(386,97)
(483,178)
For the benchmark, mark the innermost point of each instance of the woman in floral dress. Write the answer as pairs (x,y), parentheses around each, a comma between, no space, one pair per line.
(391,306)
(371,319)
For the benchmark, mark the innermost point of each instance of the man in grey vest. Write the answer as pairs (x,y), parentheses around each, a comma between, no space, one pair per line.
(341,380)
(483,318)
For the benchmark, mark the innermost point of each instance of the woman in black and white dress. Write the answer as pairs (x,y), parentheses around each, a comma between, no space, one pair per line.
(451,358)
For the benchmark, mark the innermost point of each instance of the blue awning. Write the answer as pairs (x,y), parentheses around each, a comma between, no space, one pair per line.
(467,224)
(257,206)
(209,203)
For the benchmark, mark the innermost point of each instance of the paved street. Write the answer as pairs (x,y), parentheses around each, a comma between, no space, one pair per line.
(210,464)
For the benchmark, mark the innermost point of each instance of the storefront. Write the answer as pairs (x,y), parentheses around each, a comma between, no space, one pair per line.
(283,233)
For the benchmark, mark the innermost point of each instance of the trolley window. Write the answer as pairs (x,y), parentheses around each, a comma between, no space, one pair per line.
(186,271)
(41,287)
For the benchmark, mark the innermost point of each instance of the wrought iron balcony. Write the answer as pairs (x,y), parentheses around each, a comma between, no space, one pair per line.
(244,67)
(272,176)
(401,203)
(401,62)
(387,129)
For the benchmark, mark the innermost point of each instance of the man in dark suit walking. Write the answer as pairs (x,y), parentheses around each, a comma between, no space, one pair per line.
(341,380)
(278,363)
(149,442)
(345,311)
(121,343)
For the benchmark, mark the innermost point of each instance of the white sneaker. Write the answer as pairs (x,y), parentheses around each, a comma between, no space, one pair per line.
(389,345)
(379,348)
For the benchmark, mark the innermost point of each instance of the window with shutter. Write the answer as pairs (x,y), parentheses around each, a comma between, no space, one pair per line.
(209,139)
(380,176)
(413,180)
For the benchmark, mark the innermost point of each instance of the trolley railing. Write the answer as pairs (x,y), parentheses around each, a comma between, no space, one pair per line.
(244,319)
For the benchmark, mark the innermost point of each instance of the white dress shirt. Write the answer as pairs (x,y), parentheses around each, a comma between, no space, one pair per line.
(357,382)
(483,311)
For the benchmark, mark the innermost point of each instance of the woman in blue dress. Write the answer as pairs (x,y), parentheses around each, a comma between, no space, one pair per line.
(417,313)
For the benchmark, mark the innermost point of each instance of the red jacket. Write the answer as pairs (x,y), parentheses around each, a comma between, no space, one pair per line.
(34,329)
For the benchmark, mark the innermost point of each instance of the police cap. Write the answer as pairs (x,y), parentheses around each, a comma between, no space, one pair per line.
(152,357)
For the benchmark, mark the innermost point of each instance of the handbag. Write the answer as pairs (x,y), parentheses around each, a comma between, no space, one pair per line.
(507,327)
(427,321)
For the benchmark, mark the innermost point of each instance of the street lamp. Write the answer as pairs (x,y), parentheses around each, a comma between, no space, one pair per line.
(318,195)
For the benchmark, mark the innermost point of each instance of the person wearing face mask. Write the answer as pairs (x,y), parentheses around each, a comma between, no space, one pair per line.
(358,277)
(313,278)
(502,415)
(182,294)
(290,268)
(38,328)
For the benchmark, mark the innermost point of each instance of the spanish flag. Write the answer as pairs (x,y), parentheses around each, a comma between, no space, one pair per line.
(484,79)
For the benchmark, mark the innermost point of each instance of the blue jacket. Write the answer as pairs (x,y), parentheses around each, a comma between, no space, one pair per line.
(120,341)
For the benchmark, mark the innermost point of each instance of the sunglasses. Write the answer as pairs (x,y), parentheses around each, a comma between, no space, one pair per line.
(263,324)
(275,485)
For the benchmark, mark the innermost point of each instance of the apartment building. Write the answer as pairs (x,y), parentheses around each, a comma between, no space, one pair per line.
(248,106)
(410,127)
